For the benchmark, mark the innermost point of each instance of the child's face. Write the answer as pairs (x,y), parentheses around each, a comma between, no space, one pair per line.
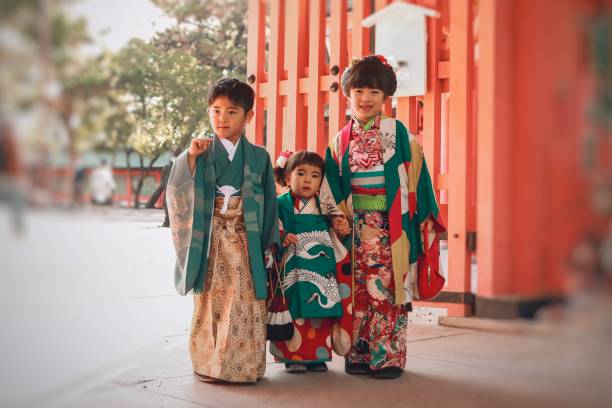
(366,102)
(305,180)
(228,120)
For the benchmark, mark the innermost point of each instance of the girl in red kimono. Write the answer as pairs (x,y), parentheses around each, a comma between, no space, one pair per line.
(378,195)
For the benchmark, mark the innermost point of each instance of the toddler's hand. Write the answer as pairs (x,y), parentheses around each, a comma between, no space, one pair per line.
(341,226)
(290,239)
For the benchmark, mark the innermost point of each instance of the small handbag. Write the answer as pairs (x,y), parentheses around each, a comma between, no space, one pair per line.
(429,280)
(279,324)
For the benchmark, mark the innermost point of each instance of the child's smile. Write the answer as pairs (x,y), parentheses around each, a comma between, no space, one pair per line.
(366,103)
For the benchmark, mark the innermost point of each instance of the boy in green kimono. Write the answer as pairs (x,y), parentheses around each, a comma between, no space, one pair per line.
(222,203)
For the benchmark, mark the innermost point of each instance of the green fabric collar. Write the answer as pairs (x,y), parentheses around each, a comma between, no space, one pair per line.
(367,126)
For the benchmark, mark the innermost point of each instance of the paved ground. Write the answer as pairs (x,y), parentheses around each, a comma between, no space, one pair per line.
(89,318)
(446,366)
(80,291)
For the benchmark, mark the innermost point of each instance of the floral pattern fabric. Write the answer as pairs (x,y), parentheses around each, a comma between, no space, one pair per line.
(379,326)
(365,148)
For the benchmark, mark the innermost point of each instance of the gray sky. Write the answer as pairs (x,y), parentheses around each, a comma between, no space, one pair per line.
(112,23)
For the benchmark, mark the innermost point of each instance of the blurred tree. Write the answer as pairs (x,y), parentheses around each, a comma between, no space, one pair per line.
(213,34)
(44,72)
(213,31)
(164,90)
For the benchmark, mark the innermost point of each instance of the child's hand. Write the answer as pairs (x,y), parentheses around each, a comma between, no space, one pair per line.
(199,146)
(290,239)
(341,226)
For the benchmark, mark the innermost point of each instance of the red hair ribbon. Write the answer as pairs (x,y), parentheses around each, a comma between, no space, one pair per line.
(281,161)
(382,59)
(356,60)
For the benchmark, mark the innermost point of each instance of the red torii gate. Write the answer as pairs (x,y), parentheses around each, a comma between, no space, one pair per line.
(483,68)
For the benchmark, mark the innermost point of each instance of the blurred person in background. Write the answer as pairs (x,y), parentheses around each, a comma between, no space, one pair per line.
(80,184)
(102,184)
(10,170)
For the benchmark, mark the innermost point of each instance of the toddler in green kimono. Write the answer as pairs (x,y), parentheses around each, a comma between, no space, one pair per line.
(308,270)
(378,195)
(221,200)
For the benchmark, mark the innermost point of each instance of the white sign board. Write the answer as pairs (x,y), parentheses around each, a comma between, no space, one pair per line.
(401,36)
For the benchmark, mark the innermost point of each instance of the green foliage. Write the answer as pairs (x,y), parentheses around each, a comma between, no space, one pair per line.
(166,80)
(166,93)
(148,97)
(213,31)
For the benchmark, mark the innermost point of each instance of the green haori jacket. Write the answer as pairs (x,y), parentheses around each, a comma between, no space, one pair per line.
(190,200)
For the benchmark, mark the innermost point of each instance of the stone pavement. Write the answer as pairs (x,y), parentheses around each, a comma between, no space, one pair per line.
(530,365)
(87,321)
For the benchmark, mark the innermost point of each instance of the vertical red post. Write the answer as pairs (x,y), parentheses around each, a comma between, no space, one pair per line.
(387,108)
(360,36)
(402,110)
(494,147)
(337,101)
(276,60)
(413,114)
(317,139)
(297,49)
(431,100)
(255,66)
(460,137)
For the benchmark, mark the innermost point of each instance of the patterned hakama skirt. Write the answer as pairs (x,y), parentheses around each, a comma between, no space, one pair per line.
(228,332)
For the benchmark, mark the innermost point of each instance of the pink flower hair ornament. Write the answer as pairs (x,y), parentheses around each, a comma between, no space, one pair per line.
(281,161)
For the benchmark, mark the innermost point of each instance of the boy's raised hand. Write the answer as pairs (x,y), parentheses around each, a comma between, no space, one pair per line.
(290,239)
(196,148)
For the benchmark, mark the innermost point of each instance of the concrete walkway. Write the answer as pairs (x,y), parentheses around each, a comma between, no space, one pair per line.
(513,364)
(88,321)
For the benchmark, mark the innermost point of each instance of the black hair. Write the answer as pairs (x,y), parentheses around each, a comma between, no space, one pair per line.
(297,159)
(369,72)
(235,90)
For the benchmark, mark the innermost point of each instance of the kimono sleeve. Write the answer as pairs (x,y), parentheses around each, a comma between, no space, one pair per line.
(269,233)
(180,202)
(331,191)
(427,205)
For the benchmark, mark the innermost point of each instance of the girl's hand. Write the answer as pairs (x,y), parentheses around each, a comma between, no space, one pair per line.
(290,239)
(341,226)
